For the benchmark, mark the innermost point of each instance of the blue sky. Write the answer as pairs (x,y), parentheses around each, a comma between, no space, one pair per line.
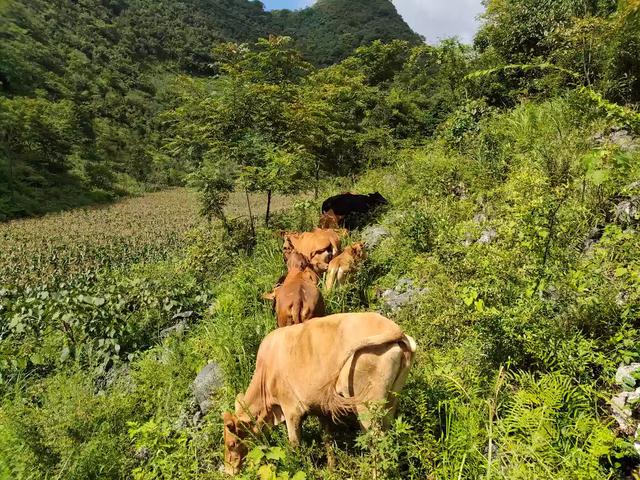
(435,19)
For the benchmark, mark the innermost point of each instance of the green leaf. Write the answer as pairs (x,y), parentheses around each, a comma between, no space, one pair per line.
(256,455)
(299,476)
(621,272)
(275,453)
(598,177)
(267,472)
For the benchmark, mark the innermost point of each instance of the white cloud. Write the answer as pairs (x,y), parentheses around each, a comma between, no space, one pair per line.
(438,19)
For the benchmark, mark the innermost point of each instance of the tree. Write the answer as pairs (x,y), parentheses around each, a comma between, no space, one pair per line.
(245,119)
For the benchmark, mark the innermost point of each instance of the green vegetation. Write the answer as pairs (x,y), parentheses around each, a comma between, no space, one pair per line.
(330,30)
(82,86)
(511,169)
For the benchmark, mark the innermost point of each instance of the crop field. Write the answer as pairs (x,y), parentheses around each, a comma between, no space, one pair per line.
(58,247)
(53,248)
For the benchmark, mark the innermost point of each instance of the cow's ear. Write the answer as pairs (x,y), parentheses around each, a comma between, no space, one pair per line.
(229,421)
(269,296)
(239,402)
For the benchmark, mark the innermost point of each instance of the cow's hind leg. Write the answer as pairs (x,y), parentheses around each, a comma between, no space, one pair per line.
(294,428)
(327,440)
(382,367)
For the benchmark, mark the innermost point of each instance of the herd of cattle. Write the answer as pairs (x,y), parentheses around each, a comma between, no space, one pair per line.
(326,366)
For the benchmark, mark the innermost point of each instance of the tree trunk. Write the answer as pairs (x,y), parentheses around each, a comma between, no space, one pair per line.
(315,189)
(253,230)
(266,220)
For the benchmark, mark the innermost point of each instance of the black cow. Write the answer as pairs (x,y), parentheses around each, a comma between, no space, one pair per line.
(353,207)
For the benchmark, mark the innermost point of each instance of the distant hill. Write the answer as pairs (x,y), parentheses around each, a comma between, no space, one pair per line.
(331,29)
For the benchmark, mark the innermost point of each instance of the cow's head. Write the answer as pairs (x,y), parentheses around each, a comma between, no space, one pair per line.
(330,219)
(287,244)
(297,261)
(377,199)
(357,250)
(234,448)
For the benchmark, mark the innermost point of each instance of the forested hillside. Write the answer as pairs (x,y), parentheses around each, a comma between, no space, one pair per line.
(83,84)
(509,247)
(331,29)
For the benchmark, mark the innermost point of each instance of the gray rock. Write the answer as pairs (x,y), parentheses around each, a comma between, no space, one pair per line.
(208,380)
(177,329)
(627,212)
(624,375)
(468,240)
(633,186)
(620,137)
(622,411)
(595,234)
(487,236)
(185,315)
(460,191)
(142,453)
(479,218)
(624,140)
(622,298)
(403,294)
(373,235)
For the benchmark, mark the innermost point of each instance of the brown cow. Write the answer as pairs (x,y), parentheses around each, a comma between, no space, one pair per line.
(318,246)
(298,298)
(327,367)
(343,264)
(330,220)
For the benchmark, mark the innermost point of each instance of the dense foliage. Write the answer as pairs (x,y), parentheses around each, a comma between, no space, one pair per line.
(511,254)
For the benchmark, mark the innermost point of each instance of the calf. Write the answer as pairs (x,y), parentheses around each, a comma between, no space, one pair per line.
(298,298)
(344,264)
(326,367)
(318,246)
(330,220)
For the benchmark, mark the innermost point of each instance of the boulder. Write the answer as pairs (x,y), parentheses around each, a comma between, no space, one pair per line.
(627,212)
(622,410)
(373,235)
(404,293)
(623,139)
(487,236)
(594,236)
(208,380)
(479,218)
(177,329)
(625,375)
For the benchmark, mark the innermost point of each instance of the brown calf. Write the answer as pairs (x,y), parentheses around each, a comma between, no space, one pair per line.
(318,246)
(344,264)
(330,220)
(298,298)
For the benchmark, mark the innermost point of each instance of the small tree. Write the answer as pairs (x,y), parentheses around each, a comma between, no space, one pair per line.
(245,119)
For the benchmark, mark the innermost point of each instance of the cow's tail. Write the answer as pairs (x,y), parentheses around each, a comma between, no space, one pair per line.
(335,404)
(331,277)
(409,348)
(296,312)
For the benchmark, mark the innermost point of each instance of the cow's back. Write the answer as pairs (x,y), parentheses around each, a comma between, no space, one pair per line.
(307,358)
